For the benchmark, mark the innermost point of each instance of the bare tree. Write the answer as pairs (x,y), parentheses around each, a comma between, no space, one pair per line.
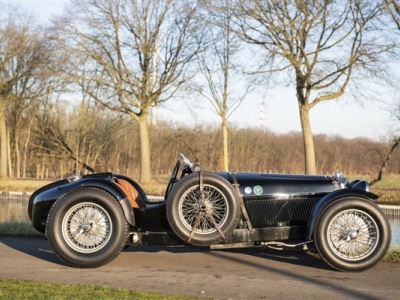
(389,153)
(135,55)
(222,82)
(82,135)
(393,7)
(24,59)
(320,44)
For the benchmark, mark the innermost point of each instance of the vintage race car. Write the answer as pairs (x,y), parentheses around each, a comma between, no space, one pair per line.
(89,221)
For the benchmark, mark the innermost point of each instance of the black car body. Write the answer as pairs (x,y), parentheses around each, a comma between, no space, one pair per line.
(89,220)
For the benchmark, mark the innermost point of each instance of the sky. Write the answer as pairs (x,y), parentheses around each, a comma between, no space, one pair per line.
(279,112)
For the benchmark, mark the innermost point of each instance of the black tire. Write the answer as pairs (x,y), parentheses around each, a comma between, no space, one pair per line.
(184,204)
(86,228)
(352,234)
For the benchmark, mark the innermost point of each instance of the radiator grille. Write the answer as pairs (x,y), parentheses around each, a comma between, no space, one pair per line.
(280,212)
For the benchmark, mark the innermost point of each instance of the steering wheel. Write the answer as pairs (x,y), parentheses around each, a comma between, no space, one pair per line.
(172,179)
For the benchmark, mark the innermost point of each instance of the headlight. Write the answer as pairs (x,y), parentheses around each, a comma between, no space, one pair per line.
(360,184)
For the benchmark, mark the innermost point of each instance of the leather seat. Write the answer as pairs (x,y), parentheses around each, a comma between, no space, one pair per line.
(130,192)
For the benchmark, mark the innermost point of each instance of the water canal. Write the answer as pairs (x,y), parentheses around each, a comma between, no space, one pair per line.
(13,207)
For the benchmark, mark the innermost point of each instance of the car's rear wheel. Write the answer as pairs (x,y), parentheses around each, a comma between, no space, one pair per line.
(201,223)
(352,234)
(86,228)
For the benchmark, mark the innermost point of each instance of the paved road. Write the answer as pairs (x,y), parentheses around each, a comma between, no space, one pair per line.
(239,274)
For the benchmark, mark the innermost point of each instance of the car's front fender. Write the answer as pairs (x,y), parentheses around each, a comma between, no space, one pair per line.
(331,197)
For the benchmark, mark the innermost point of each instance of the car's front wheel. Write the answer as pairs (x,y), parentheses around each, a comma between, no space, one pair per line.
(352,234)
(86,228)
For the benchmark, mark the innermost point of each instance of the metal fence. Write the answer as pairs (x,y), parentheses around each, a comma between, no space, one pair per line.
(14,196)
(391,211)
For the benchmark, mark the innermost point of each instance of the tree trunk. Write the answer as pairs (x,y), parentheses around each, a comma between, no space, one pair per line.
(25,149)
(9,161)
(225,145)
(3,143)
(145,174)
(308,140)
(17,154)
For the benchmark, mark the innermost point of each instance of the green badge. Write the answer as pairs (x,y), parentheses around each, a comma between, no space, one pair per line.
(258,190)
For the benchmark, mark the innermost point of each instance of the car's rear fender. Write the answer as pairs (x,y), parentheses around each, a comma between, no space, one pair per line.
(109,187)
(331,197)
(45,199)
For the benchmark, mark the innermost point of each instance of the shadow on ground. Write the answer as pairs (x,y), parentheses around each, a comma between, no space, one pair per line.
(39,247)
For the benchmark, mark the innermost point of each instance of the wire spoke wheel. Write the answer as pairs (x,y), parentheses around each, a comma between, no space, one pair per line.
(86,227)
(353,235)
(203,223)
(215,204)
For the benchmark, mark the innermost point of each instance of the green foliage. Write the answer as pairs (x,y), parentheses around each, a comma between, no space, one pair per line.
(388,196)
(18,289)
(18,229)
(389,202)
(393,255)
(391,181)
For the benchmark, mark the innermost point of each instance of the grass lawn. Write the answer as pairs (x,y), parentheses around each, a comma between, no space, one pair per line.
(18,289)
(18,229)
